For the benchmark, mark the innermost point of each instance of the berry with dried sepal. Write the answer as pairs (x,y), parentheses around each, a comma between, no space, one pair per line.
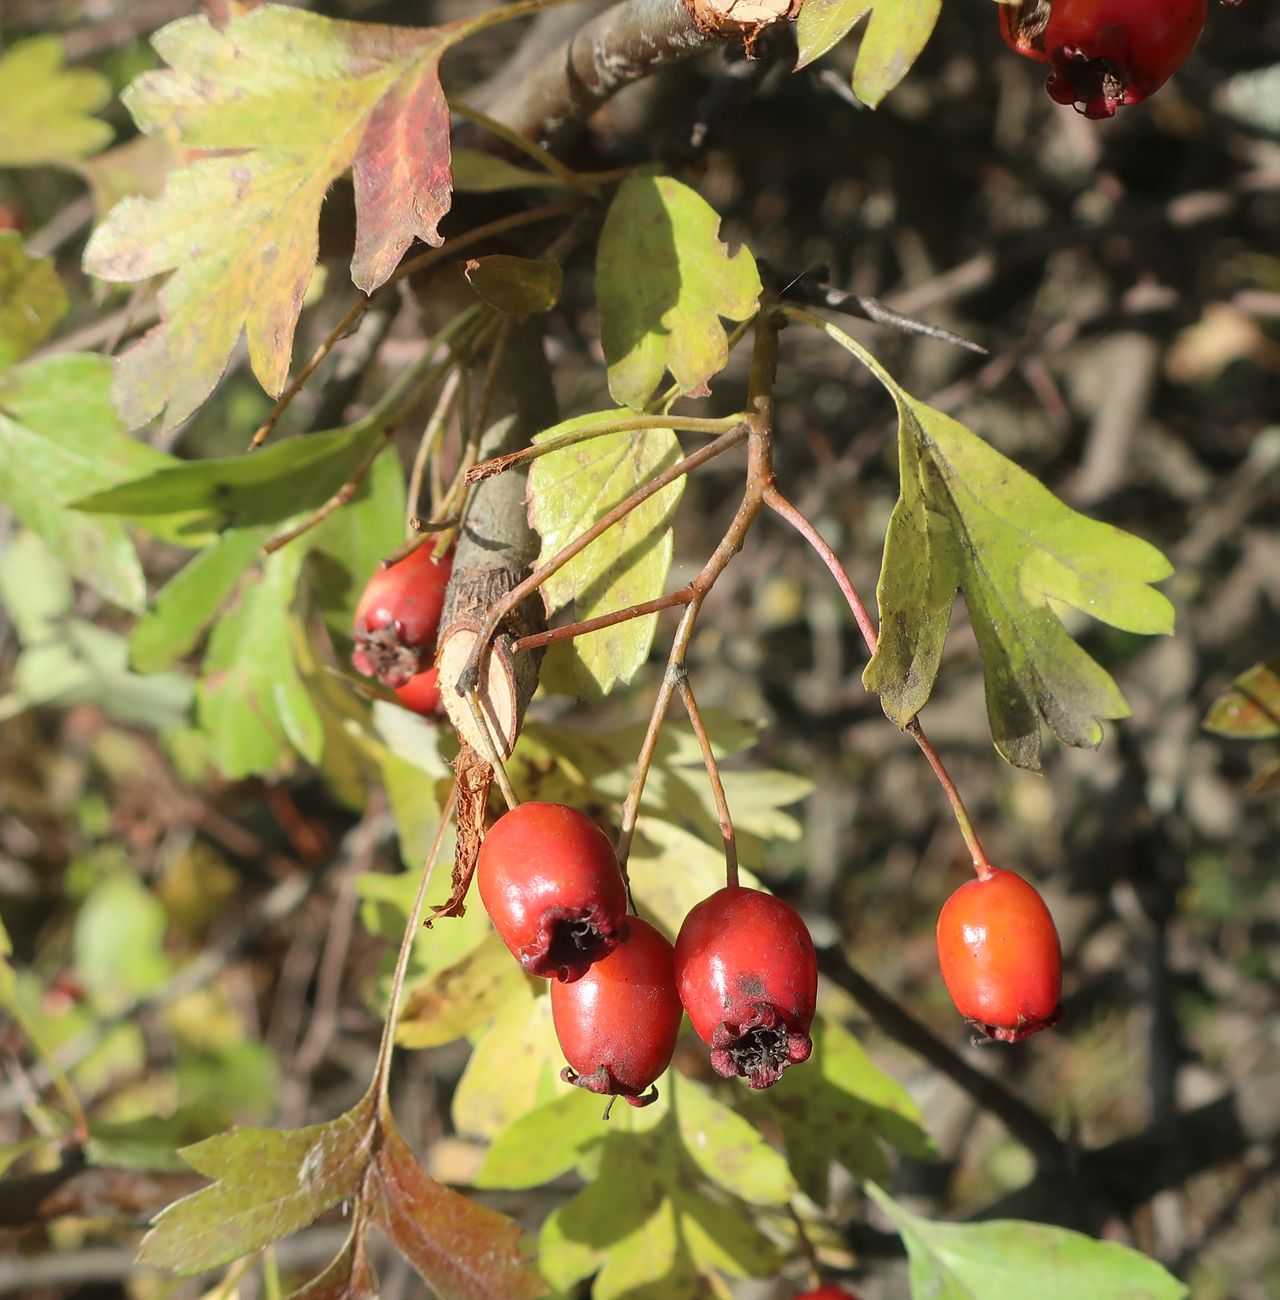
(617,1025)
(550,881)
(748,977)
(398,616)
(1000,956)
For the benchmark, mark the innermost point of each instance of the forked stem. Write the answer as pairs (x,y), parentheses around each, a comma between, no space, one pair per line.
(781,506)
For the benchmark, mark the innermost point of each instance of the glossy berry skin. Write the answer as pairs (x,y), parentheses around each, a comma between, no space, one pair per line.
(421,693)
(550,881)
(828,1292)
(1000,956)
(748,977)
(1105,53)
(398,616)
(617,1025)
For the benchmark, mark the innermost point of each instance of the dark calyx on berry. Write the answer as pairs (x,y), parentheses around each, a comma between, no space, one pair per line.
(1016,1033)
(759,1047)
(381,652)
(569,941)
(602,1082)
(1096,86)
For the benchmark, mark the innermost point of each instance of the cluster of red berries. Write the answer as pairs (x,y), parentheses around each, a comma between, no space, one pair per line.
(397,619)
(1104,53)
(743,965)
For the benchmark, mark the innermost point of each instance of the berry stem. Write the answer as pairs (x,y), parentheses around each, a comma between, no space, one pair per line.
(568,631)
(713,775)
(490,749)
(427,445)
(780,505)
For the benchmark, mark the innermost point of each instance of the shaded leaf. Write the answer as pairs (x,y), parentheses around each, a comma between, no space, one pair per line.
(1005,1257)
(894,37)
(349,1277)
(667,317)
(44,107)
(571,489)
(298,99)
(1250,710)
(32,299)
(268,1184)
(483,173)
(139,166)
(518,286)
(839,1107)
(59,438)
(458,1247)
(968,519)
(119,942)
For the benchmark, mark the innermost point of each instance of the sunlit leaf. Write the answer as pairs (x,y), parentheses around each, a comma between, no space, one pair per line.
(460,998)
(59,438)
(969,520)
(1004,1257)
(32,298)
(295,99)
(569,491)
(891,43)
(268,1184)
(485,173)
(45,108)
(546,1142)
(663,281)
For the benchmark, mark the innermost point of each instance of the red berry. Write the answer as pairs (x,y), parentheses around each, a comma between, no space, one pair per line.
(549,880)
(618,1024)
(748,977)
(1105,53)
(421,693)
(1000,957)
(398,617)
(828,1292)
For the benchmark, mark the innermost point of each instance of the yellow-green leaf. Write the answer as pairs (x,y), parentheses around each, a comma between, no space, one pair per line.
(45,108)
(32,299)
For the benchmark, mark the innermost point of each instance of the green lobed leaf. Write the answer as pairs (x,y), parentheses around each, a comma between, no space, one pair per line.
(33,299)
(58,438)
(647,1225)
(544,1143)
(45,108)
(894,38)
(570,490)
(1005,1257)
(667,318)
(458,1247)
(296,99)
(119,943)
(839,1107)
(1250,709)
(268,1184)
(968,519)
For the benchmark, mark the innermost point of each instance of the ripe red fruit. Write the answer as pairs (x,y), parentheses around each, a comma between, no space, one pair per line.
(618,1024)
(1105,53)
(828,1292)
(398,617)
(550,881)
(748,977)
(421,693)
(1000,956)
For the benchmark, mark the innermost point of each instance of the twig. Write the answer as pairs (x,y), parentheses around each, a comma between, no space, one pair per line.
(427,444)
(713,775)
(536,640)
(1023,1123)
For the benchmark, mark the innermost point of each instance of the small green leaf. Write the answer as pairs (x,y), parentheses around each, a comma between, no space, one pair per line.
(668,316)
(517,286)
(482,173)
(119,938)
(250,699)
(59,438)
(458,1247)
(893,40)
(1005,1257)
(268,1184)
(35,588)
(191,599)
(839,1107)
(1250,710)
(44,107)
(267,486)
(570,490)
(33,299)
